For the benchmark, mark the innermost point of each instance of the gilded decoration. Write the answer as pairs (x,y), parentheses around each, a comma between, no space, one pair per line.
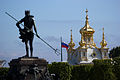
(103,43)
(71,44)
(87,29)
(87,34)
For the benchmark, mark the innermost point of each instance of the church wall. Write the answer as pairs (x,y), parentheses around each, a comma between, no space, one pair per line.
(89,52)
(72,59)
(104,53)
(98,52)
(77,56)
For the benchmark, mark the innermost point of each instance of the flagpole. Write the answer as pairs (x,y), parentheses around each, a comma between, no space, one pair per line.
(61,50)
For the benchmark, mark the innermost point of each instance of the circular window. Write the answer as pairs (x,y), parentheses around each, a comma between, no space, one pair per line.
(93,54)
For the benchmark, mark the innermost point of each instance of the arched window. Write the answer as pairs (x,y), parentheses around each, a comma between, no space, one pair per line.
(89,39)
(83,54)
(105,54)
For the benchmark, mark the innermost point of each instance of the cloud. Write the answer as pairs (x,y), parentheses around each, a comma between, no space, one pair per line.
(61,21)
(52,39)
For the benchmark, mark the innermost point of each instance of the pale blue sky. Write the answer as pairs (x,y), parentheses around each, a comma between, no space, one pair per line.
(55,18)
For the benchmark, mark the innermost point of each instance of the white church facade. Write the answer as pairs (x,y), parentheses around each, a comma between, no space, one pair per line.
(87,50)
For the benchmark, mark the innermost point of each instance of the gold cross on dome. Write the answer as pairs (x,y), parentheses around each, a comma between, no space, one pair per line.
(86,11)
(71,30)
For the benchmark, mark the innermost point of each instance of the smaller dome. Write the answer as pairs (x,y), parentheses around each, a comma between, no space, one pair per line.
(103,43)
(71,44)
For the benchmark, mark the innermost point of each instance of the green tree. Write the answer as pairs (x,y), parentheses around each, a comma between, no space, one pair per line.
(116,67)
(115,52)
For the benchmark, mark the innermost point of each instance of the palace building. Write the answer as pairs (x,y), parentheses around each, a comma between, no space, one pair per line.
(87,50)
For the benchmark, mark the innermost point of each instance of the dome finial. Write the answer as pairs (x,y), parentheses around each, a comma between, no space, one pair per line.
(86,22)
(86,11)
(71,35)
(103,34)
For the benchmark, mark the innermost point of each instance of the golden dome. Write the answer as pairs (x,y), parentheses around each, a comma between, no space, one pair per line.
(71,44)
(87,28)
(103,43)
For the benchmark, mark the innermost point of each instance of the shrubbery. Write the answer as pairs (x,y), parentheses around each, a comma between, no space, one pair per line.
(62,70)
(81,72)
(3,72)
(101,70)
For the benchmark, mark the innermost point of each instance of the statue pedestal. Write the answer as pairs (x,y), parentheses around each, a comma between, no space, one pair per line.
(27,68)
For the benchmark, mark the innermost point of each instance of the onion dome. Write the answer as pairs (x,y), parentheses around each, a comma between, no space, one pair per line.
(87,27)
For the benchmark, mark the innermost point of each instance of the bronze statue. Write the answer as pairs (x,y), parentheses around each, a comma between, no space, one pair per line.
(27,34)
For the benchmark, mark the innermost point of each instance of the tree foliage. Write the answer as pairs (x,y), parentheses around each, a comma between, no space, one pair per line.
(116,67)
(115,52)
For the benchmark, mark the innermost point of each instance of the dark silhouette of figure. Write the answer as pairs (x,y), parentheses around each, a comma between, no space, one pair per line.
(26,34)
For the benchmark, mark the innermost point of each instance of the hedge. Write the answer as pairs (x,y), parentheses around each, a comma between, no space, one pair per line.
(3,73)
(101,70)
(62,70)
(81,72)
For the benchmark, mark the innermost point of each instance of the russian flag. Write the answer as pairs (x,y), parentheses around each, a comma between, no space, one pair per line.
(64,45)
